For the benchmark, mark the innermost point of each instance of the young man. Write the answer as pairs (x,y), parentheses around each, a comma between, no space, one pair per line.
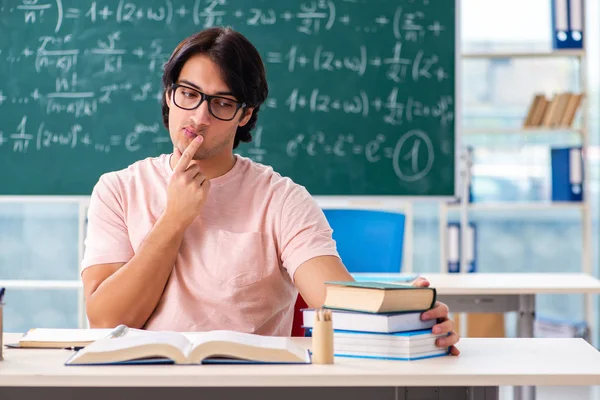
(204,239)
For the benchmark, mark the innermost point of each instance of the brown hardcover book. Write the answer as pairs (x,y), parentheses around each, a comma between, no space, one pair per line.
(532,108)
(378,297)
(571,110)
(550,111)
(540,110)
(561,108)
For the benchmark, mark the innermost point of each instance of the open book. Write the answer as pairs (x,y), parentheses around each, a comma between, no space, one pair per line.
(191,348)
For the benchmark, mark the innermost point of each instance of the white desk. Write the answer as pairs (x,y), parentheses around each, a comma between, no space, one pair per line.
(484,364)
(502,292)
(484,292)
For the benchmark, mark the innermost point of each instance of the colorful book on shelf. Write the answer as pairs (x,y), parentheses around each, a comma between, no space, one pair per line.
(191,348)
(369,322)
(378,297)
(414,345)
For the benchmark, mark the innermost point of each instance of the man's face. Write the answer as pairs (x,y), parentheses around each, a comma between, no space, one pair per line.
(202,74)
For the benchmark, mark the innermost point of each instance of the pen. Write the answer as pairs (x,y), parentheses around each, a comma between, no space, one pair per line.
(118,331)
(2,290)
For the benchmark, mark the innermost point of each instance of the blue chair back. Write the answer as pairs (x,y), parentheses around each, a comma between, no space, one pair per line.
(367,240)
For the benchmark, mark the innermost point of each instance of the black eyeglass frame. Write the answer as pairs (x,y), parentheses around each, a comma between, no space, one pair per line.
(206,97)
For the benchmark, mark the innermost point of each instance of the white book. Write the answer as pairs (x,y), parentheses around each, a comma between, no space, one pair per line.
(369,322)
(191,348)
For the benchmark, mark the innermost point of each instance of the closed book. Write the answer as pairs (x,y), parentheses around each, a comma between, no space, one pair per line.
(368,322)
(412,345)
(191,348)
(378,297)
(48,338)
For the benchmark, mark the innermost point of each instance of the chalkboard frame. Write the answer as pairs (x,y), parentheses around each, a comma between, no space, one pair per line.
(344,198)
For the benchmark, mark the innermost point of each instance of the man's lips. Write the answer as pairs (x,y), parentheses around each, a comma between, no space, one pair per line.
(189,133)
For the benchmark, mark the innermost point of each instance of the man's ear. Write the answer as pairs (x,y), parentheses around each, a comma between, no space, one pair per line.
(246,116)
(168,98)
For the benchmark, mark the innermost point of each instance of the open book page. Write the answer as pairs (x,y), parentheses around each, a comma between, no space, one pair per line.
(265,348)
(134,345)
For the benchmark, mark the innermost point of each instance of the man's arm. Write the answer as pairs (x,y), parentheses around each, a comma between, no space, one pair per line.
(128,293)
(311,276)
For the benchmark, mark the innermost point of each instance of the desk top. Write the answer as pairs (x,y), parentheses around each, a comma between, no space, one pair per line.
(483,362)
(504,283)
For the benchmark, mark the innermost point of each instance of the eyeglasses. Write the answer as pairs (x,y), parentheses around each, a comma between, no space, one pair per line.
(221,108)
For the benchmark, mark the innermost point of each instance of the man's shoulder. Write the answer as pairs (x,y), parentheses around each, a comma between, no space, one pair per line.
(265,179)
(139,171)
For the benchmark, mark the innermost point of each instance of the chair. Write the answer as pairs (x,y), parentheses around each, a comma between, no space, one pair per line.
(367,241)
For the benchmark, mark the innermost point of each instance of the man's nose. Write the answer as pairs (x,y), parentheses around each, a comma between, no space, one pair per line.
(201,115)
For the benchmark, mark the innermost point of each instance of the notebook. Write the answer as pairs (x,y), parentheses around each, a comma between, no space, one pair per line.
(191,348)
(62,338)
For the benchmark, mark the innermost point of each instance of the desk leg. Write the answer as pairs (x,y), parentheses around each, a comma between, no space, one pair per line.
(525,323)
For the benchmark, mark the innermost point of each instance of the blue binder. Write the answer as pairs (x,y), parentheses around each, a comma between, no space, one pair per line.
(455,248)
(567,174)
(567,24)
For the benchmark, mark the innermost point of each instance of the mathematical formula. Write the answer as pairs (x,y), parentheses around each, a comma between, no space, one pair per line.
(88,59)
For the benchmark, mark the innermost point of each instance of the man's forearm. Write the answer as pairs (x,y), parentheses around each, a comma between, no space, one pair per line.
(130,295)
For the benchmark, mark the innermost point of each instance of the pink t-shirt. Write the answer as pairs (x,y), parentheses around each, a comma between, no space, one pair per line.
(236,264)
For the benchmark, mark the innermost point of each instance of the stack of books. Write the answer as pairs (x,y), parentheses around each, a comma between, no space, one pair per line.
(557,112)
(380,320)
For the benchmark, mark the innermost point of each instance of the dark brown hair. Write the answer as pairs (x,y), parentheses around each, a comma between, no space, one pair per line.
(241,67)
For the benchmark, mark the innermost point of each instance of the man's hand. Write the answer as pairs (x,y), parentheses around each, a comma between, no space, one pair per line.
(188,187)
(444,323)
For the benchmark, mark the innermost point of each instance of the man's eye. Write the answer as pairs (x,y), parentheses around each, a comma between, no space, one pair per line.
(190,94)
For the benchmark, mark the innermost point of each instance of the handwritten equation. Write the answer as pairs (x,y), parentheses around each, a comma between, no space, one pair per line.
(26,137)
(310,17)
(88,77)
(412,155)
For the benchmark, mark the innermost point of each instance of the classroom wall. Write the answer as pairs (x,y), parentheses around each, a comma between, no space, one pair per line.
(39,241)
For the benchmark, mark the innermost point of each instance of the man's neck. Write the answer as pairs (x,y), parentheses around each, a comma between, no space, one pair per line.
(214,166)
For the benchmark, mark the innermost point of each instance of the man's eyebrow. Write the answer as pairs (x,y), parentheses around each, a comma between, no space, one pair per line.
(200,89)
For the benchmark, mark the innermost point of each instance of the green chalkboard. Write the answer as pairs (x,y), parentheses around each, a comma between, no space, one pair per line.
(362,92)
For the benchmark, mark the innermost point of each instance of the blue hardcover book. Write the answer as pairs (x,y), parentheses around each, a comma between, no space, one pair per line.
(214,347)
(413,345)
(567,174)
(567,24)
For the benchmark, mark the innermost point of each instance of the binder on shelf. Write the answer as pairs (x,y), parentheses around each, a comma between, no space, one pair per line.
(567,174)
(454,247)
(567,24)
